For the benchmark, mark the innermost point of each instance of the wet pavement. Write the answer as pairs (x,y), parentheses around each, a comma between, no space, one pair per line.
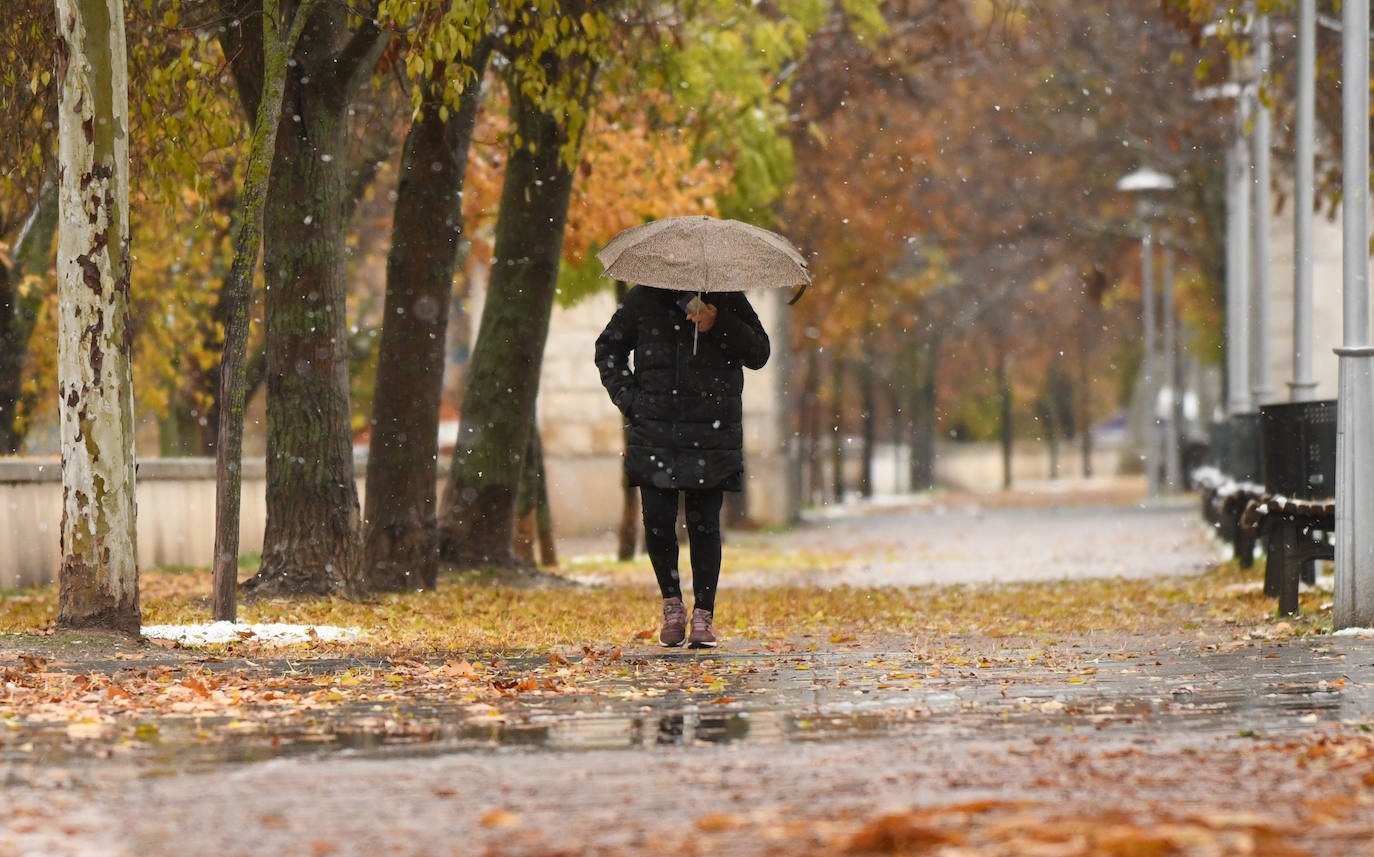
(1254,688)
(938,539)
(813,735)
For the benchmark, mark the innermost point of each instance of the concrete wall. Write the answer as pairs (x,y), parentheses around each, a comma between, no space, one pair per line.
(974,466)
(176,515)
(582,439)
(1326,303)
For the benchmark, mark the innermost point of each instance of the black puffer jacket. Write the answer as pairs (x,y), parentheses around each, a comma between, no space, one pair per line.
(684,410)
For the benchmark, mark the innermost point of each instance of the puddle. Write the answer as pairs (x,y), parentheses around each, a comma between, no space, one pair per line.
(1258,690)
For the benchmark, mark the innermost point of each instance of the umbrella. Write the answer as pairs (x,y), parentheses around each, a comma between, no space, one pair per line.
(698,253)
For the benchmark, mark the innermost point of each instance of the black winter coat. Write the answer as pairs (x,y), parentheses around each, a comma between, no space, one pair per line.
(684,410)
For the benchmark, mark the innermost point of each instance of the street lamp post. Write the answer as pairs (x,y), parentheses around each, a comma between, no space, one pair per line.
(1173,477)
(1146,184)
(1238,263)
(1260,374)
(1304,384)
(1353,602)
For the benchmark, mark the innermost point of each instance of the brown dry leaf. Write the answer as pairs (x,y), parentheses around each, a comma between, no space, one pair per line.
(897,833)
(716,822)
(644,634)
(457,669)
(559,660)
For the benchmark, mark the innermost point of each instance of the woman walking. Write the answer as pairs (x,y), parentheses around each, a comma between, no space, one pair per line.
(681,397)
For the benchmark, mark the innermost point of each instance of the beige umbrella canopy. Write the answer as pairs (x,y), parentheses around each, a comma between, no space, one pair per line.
(698,253)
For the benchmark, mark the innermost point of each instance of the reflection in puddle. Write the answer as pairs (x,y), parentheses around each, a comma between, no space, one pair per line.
(826,702)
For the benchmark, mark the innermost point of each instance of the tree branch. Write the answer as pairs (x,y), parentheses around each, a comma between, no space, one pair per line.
(348,67)
(241,40)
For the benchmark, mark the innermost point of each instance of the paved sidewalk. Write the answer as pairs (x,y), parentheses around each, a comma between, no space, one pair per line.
(1185,744)
(967,539)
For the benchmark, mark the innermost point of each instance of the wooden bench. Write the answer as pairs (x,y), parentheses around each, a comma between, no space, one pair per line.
(1297,533)
(1295,515)
(1224,501)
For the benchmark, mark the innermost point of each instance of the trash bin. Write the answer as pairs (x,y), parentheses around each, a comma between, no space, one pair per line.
(1216,444)
(1298,443)
(1243,448)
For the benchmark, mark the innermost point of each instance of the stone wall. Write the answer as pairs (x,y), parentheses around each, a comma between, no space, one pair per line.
(582,437)
(176,515)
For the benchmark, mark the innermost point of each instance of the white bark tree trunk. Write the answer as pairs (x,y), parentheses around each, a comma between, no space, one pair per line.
(99,578)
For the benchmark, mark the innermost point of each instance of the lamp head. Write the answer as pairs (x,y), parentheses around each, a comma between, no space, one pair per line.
(1145,179)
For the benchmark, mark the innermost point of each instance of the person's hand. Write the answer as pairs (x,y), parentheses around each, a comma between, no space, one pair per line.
(704,318)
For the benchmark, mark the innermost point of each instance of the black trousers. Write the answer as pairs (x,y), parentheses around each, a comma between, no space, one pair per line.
(659,506)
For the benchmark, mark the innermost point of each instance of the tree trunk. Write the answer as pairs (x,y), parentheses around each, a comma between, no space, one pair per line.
(526,499)
(836,425)
(18,310)
(310,545)
(478,513)
(99,577)
(923,420)
(894,404)
(543,510)
(1060,407)
(869,424)
(235,297)
(1004,406)
(399,546)
(1085,422)
(533,518)
(1052,439)
(811,429)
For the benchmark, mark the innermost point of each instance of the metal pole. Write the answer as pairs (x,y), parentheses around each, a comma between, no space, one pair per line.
(1147,313)
(1238,269)
(1260,383)
(1172,477)
(1354,595)
(1304,384)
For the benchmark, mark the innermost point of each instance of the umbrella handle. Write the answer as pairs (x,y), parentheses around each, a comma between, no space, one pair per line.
(696,328)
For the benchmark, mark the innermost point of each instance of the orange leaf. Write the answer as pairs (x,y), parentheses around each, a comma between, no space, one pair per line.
(500,818)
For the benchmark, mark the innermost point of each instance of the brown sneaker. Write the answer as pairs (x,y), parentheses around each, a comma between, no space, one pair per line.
(674,629)
(703,632)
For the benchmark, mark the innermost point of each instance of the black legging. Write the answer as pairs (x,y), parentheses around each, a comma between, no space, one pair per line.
(703,535)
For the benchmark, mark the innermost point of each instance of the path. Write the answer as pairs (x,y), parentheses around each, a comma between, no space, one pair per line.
(1154,746)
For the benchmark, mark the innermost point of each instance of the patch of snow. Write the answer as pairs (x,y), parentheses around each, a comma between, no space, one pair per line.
(1353,632)
(228,632)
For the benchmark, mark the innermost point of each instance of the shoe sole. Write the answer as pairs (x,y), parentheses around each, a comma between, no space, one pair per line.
(701,644)
(671,645)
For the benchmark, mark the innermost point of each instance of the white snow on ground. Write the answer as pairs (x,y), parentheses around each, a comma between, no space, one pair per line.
(1354,632)
(226,632)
